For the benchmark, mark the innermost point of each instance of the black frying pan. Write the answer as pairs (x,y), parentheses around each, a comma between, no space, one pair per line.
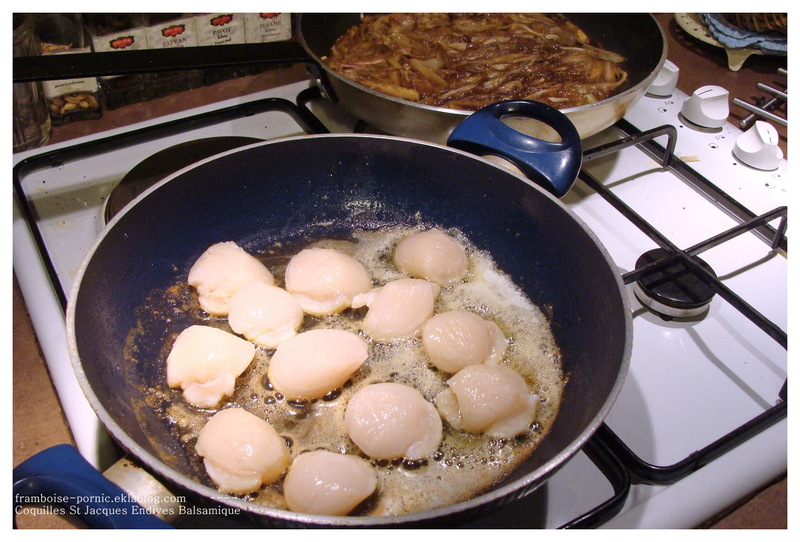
(324,186)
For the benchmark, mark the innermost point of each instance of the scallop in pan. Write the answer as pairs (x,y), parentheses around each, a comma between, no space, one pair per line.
(241,452)
(325,280)
(432,255)
(390,420)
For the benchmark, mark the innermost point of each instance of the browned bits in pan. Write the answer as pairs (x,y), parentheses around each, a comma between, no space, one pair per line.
(466,61)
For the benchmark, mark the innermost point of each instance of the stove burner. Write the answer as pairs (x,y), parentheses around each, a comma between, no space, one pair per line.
(673,291)
(164,163)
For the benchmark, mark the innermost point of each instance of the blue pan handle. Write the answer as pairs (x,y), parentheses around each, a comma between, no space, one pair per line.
(69,484)
(552,165)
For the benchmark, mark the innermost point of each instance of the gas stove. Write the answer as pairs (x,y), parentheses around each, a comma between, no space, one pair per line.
(700,422)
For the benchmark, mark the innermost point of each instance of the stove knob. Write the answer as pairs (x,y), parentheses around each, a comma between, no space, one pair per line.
(665,82)
(707,107)
(758,147)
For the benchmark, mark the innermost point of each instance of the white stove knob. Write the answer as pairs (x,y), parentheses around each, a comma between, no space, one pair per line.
(758,147)
(707,107)
(665,82)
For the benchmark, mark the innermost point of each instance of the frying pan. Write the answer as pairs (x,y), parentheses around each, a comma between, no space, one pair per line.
(636,36)
(326,186)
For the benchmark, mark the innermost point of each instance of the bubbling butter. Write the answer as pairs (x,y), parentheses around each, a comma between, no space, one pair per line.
(465,464)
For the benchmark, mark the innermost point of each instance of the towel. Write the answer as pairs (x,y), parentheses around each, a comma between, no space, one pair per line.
(773,43)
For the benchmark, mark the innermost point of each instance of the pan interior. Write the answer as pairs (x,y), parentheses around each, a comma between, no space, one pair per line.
(276,191)
(636,36)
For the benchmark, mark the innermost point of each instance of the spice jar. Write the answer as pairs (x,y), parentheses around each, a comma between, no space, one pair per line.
(167,31)
(120,32)
(30,115)
(265,27)
(68,99)
(221,29)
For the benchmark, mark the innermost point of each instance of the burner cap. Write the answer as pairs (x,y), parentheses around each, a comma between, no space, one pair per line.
(164,163)
(675,290)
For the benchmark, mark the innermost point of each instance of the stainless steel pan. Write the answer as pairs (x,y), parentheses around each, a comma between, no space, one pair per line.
(636,36)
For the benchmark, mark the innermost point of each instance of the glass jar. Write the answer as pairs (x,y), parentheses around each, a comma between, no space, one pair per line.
(68,99)
(221,29)
(120,32)
(167,31)
(31,118)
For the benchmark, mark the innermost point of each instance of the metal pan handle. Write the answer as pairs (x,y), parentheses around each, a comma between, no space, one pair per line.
(552,165)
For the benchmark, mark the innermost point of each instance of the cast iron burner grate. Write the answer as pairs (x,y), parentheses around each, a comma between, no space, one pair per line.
(687,262)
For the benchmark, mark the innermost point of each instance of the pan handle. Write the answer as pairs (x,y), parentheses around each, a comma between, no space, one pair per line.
(61,480)
(552,165)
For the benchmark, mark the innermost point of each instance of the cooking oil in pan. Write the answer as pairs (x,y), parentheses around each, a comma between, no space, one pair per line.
(464,465)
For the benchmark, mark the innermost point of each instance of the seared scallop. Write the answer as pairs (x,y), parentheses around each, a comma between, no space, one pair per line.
(315,362)
(205,362)
(390,420)
(455,339)
(264,314)
(221,270)
(490,399)
(241,452)
(398,309)
(432,255)
(324,280)
(328,483)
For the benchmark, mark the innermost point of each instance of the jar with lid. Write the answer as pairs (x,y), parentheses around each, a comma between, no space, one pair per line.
(120,32)
(31,117)
(68,99)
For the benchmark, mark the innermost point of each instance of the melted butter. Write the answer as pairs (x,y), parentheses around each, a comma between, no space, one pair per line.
(465,465)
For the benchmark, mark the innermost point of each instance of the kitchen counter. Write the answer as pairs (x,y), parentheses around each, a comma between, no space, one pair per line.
(38,422)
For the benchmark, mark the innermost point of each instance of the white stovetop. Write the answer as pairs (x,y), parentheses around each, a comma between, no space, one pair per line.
(661,414)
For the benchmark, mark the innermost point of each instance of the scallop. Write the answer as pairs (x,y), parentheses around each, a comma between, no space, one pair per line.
(221,270)
(390,420)
(264,314)
(489,399)
(432,255)
(315,362)
(324,280)
(205,362)
(241,452)
(398,309)
(328,483)
(455,339)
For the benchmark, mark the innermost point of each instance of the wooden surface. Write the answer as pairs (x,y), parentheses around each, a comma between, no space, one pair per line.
(38,422)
